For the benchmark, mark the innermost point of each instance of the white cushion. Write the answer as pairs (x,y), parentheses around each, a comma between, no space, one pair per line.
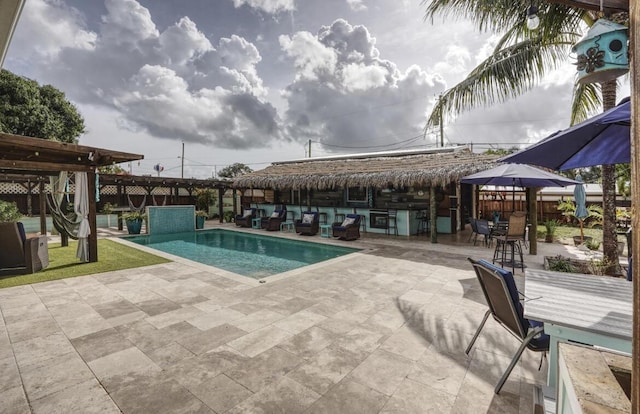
(247,213)
(347,221)
(275,214)
(307,218)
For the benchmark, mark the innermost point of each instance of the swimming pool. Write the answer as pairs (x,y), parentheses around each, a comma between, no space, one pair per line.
(250,255)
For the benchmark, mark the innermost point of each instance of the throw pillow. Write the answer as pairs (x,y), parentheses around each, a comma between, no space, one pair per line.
(247,213)
(275,214)
(348,221)
(307,218)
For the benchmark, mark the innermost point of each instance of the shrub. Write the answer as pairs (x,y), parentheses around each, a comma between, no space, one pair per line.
(9,212)
(561,264)
(134,215)
(592,244)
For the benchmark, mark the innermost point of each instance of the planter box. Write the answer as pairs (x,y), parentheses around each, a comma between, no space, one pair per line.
(134,226)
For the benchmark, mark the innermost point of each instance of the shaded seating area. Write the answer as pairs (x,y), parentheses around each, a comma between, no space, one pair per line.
(272,223)
(501,294)
(349,229)
(509,243)
(245,219)
(309,224)
(19,254)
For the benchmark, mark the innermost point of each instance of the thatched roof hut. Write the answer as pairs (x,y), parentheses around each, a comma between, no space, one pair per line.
(423,168)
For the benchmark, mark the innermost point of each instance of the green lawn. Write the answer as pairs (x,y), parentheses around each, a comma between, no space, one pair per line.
(564,234)
(63,262)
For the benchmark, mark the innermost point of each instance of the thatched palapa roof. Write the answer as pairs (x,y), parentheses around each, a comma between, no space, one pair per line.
(423,168)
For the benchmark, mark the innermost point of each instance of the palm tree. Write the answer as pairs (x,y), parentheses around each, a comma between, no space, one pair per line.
(520,59)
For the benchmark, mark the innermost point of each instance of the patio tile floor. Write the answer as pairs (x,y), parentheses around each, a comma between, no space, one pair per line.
(381,331)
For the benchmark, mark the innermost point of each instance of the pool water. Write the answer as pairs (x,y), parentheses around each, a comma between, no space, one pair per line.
(250,255)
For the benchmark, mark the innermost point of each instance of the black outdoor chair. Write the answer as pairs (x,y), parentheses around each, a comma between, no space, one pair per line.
(309,224)
(272,223)
(349,229)
(245,219)
(501,295)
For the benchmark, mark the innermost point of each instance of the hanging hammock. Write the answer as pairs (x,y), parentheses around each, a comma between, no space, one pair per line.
(140,208)
(65,221)
(164,201)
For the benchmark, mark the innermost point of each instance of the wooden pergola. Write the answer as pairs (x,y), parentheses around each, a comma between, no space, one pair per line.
(29,156)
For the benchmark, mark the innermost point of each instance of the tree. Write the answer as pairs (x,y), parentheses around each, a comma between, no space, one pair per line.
(29,109)
(519,61)
(112,169)
(234,170)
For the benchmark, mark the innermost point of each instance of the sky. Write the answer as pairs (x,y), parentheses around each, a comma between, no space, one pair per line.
(260,81)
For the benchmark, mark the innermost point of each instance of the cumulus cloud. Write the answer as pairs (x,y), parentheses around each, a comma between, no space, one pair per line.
(269,6)
(174,84)
(357,5)
(56,27)
(344,94)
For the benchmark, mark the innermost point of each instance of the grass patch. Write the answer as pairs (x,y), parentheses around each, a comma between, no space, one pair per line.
(63,262)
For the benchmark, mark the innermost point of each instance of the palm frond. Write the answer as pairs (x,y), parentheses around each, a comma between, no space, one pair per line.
(487,14)
(504,75)
(586,102)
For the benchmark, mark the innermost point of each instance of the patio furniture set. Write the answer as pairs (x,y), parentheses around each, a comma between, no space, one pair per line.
(307,225)
(597,314)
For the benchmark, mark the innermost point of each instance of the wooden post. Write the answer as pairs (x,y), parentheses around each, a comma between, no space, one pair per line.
(43,208)
(93,237)
(634,40)
(220,203)
(533,220)
(433,214)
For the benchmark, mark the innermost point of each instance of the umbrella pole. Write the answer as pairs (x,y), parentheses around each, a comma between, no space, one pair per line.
(581,233)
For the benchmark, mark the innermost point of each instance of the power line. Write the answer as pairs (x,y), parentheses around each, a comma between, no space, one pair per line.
(370,146)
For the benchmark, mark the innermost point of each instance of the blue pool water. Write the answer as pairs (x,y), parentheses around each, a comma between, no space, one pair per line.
(251,255)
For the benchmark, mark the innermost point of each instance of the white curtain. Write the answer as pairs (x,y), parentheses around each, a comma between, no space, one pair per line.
(81,207)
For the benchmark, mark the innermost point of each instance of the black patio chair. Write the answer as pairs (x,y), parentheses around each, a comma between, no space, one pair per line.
(309,224)
(501,295)
(349,229)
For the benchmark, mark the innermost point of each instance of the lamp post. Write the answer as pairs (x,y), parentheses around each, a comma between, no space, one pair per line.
(182,162)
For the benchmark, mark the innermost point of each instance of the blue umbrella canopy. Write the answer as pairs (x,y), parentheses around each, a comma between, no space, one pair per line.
(518,175)
(601,140)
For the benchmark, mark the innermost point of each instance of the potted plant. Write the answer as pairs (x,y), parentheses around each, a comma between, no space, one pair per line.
(9,212)
(134,221)
(550,226)
(201,216)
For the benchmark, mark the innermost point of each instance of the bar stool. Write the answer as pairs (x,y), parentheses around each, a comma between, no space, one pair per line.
(392,222)
(423,222)
(363,220)
(338,217)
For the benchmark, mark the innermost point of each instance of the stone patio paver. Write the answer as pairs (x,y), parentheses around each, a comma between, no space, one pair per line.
(381,331)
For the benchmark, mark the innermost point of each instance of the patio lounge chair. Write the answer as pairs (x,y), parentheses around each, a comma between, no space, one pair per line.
(244,220)
(19,254)
(501,295)
(349,229)
(309,224)
(272,223)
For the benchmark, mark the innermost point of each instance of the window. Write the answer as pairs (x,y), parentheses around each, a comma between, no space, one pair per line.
(357,194)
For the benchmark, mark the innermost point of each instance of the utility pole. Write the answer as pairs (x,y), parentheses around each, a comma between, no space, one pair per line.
(309,149)
(182,162)
(441,122)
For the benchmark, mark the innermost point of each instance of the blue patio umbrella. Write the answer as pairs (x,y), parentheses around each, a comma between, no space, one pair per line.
(601,140)
(517,175)
(580,198)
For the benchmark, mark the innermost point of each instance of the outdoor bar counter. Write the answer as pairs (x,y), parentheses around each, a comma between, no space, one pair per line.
(409,217)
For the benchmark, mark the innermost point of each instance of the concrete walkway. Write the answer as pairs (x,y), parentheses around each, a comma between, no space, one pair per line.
(381,331)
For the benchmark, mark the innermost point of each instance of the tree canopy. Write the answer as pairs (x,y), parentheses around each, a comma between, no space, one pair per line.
(28,109)
(234,170)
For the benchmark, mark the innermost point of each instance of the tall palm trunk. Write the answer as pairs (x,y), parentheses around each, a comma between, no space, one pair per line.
(609,236)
